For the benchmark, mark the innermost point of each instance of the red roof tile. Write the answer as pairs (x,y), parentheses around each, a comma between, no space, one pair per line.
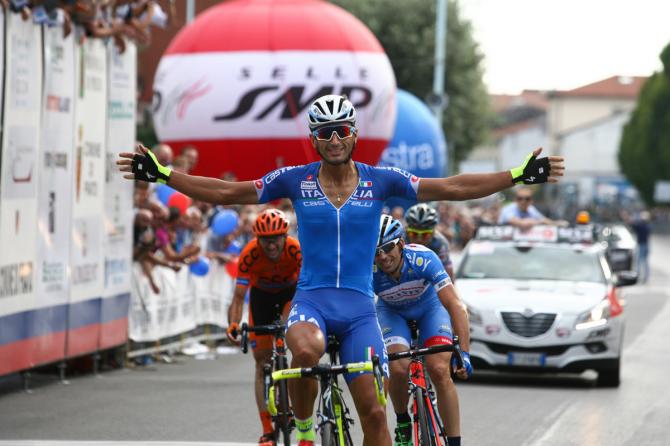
(502,102)
(613,87)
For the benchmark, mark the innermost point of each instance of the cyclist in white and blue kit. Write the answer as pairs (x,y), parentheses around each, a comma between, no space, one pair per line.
(412,285)
(338,203)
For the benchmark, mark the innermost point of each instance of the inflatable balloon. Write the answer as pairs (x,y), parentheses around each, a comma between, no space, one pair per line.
(224,222)
(164,192)
(180,201)
(200,267)
(418,145)
(231,268)
(236,83)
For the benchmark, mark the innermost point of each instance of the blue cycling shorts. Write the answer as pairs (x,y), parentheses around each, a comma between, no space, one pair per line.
(349,315)
(433,321)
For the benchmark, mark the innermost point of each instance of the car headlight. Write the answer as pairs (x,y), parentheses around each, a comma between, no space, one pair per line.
(474,316)
(595,317)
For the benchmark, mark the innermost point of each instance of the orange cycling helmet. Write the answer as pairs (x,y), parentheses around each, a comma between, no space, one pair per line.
(270,222)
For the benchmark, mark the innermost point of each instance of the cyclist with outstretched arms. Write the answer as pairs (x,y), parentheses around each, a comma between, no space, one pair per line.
(412,285)
(338,203)
(269,264)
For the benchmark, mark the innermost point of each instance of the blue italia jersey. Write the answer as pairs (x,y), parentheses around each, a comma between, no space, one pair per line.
(338,245)
(421,277)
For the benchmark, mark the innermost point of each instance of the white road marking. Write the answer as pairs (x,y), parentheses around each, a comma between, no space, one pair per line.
(618,416)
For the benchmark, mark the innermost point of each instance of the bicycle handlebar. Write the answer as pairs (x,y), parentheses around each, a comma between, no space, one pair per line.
(271,329)
(415,353)
(322,370)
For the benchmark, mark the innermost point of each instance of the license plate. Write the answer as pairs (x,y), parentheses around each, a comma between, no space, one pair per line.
(526,359)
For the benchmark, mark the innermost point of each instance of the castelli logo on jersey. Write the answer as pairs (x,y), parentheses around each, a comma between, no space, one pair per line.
(258,184)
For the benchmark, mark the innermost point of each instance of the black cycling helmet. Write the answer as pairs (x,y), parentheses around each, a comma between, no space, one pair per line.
(421,216)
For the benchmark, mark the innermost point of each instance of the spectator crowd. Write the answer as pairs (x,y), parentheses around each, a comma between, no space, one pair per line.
(107,19)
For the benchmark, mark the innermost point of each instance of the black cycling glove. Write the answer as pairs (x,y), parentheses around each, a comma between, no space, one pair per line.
(532,171)
(147,168)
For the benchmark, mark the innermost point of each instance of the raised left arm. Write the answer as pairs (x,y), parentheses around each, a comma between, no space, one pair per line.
(478,185)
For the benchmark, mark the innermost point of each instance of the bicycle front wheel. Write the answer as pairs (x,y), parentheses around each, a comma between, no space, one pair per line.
(328,435)
(282,420)
(282,426)
(421,421)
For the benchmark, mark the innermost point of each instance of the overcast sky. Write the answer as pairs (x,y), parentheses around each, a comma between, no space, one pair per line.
(564,44)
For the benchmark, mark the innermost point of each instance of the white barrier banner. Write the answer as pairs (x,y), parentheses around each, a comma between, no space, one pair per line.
(214,293)
(118,191)
(86,250)
(89,171)
(20,143)
(56,169)
(2,60)
(184,302)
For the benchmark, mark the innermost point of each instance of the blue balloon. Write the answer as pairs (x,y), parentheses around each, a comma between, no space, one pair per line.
(164,192)
(418,145)
(200,267)
(224,222)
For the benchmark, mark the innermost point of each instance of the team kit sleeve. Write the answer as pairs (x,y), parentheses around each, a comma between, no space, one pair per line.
(436,273)
(276,184)
(398,183)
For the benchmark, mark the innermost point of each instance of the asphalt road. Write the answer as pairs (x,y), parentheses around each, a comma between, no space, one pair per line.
(209,401)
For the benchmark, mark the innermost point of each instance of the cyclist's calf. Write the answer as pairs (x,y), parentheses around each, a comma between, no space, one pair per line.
(371,413)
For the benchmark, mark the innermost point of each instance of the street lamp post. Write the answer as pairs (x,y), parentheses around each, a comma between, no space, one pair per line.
(190,10)
(438,100)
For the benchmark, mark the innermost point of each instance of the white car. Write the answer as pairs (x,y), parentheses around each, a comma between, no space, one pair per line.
(543,300)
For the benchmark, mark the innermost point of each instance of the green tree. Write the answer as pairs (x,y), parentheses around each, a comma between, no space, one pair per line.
(406,30)
(644,151)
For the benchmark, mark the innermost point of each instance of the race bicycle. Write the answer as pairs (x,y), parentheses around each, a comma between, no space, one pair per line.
(428,426)
(333,415)
(282,416)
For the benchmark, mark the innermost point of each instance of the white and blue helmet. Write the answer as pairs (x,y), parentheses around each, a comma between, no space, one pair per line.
(389,229)
(331,109)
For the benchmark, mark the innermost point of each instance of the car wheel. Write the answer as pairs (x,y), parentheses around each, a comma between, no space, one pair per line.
(610,377)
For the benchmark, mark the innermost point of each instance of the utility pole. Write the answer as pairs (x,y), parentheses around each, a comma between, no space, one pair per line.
(190,10)
(438,100)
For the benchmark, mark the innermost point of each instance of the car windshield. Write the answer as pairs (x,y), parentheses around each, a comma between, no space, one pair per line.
(486,260)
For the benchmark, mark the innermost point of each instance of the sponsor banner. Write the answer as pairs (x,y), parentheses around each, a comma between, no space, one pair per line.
(20,140)
(265,94)
(54,192)
(118,195)
(2,61)
(18,183)
(56,168)
(88,231)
